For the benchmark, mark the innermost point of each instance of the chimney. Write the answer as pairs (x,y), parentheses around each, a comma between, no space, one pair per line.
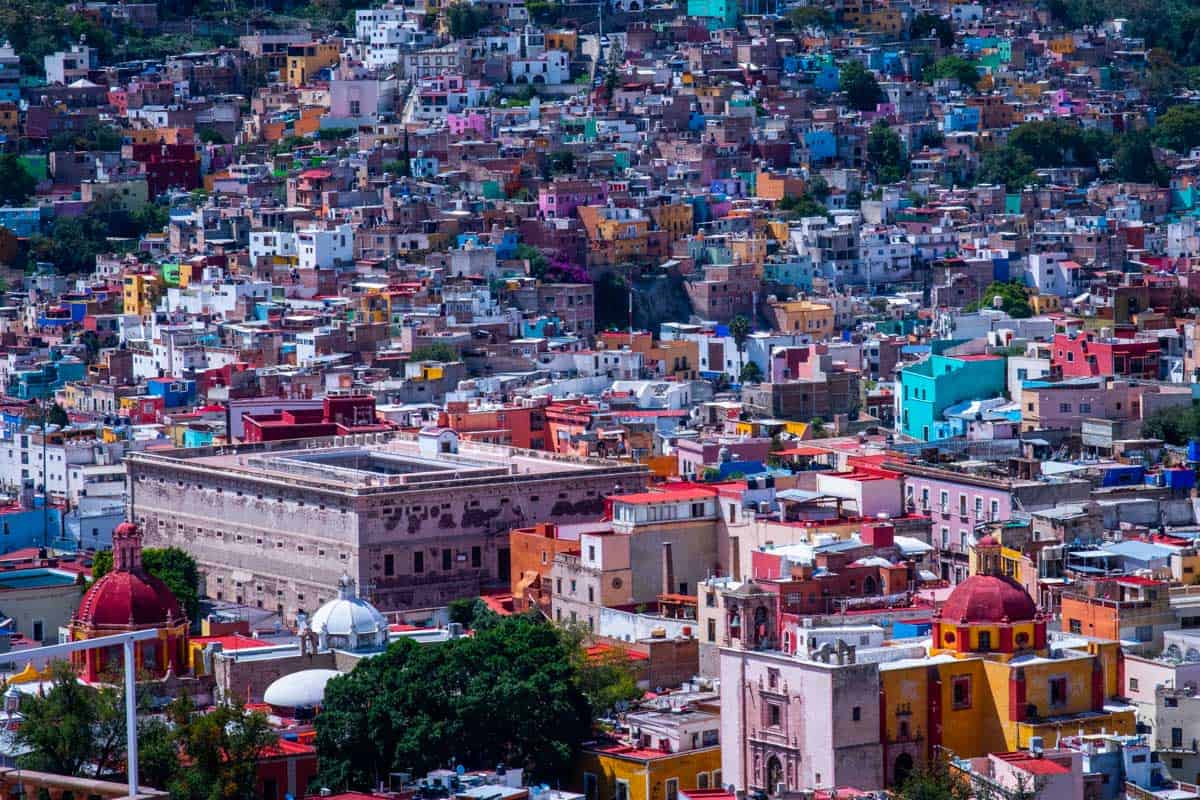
(668,569)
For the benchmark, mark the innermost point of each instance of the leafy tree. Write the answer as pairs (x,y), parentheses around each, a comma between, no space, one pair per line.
(965,71)
(1014,299)
(1007,166)
(467,610)
(1060,143)
(465,20)
(818,188)
(609,681)
(211,136)
(16,184)
(860,87)
(804,205)
(57,415)
(222,748)
(739,329)
(72,729)
(538,263)
(1134,160)
(1174,426)
(751,373)
(804,17)
(561,162)
(932,25)
(1178,129)
(438,351)
(885,152)
(509,694)
(933,782)
(174,567)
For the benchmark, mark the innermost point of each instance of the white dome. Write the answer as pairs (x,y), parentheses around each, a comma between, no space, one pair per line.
(349,622)
(304,689)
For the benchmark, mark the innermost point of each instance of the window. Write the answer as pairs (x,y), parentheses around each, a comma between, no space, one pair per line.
(447,559)
(962,692)
(622,790)
(673,789)
(701,780)
(1058,691)
(418,562)
(1177,737)
(389,564)
(985,640)
(1074,626)
(1144,633)
(712,630)
(774,715)
(476,557)
(38,630)
(772,679)
(856,714)
(1064,408)
(1085,408)
(1133,684)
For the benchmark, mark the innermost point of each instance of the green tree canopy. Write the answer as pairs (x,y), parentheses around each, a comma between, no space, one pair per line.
(1006,166)
(932,25)
(1134,160)
(222,748)
(739,329)
(965,71)
(509,694)
(1060,143)
(173,566)
(1173,425)
(16,184)
(438,351)
(465,20)
(804,205)
(751,373)
(1014,298)
(885,152)
(1178,129)
(859,84)
(803,17)
(72,729)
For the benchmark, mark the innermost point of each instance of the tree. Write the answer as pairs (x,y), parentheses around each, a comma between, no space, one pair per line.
(803,206)
(964,71)
(751,373)
(804,17)
(174,567)
(561,162)
(16,184)
(57,415)
(466,610)
(509,694)
(465,20)
(860,87)
(1178,129)
(739,329)
(72,729)
(885,153)
(1006,166)
(1175,426)
(211,136)
(1013,296)
(222,748)
(1134,160)
(933,782)
(438,351)
(608,680)
(932,25)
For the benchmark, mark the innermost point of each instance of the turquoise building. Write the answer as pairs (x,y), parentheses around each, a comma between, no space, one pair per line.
(720,13)
(929,387)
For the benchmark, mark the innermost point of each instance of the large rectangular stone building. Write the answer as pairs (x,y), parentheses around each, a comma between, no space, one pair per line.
(416,520)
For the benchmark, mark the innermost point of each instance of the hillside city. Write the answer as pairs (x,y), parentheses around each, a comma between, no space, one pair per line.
(600,400)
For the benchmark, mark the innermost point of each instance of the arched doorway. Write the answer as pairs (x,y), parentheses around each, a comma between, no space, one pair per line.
(901,769)
(774,774)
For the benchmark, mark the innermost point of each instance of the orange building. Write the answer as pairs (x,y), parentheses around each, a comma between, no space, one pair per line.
(777,187)
(532,552)
(678,358)
(1129,608)
(518,425)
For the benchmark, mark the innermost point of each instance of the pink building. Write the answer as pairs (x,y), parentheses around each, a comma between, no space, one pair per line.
(1050,773)
(1084,356)
(560,199)
(468,123)
(801,724)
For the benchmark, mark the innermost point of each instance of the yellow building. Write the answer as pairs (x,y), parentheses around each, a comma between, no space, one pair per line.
(305,60)
(668,753)
(141,293)
(989,685)
(803,316)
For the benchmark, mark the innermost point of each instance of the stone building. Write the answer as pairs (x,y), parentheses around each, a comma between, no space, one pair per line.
(414,520)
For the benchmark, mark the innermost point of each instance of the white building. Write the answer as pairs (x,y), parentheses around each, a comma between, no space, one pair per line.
(551,68)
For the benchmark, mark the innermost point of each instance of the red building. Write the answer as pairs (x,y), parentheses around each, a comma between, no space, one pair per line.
(338,416)
(1085,356)
(287,769)
(168,166)
(129,599)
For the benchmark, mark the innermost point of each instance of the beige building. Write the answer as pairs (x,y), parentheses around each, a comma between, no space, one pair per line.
(416,521)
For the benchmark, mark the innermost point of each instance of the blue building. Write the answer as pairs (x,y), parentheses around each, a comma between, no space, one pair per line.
(41,382)
(176,393)
(821,145)
(22,222)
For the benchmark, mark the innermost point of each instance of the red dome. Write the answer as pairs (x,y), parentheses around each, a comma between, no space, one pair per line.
(989,598)
(121,599)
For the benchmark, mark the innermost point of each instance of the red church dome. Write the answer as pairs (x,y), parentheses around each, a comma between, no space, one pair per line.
(989,599)
(122,599)
(128,596)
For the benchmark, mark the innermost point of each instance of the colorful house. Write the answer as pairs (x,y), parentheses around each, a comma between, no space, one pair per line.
(929,387)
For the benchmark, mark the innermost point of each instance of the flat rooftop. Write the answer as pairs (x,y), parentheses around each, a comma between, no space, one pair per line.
(376,462)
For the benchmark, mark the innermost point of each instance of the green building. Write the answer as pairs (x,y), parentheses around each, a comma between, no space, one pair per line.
(929,387)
